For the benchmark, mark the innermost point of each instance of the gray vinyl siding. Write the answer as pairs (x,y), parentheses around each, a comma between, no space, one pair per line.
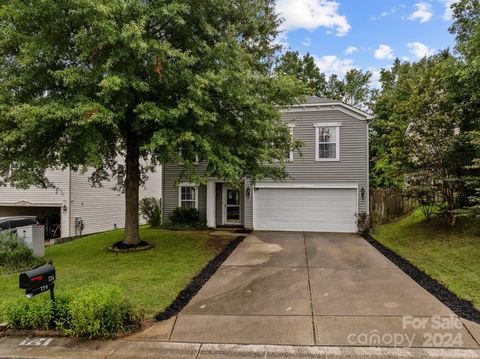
(353,165)
(248,209)
(171,180)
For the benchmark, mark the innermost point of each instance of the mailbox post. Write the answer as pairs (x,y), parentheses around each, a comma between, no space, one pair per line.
(38,280)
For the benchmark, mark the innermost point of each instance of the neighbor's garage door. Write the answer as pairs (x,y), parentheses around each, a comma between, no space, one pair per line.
(301,209)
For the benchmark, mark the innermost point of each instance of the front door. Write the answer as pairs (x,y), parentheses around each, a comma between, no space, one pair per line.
(232,205)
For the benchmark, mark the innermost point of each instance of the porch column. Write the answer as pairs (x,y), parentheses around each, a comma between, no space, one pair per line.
(211,193)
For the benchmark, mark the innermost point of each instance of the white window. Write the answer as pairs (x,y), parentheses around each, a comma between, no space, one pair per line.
(327,141)
(120,175)
(188,196)
(197,160)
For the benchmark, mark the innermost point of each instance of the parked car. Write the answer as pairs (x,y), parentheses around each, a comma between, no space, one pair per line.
(12,223)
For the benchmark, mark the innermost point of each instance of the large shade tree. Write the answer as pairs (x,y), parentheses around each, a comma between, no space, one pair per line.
(84,83)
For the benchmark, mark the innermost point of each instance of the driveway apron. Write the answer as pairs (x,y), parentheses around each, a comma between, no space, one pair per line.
(300,288)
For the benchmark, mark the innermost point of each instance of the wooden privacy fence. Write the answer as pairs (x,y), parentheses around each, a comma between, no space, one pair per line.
(388,203)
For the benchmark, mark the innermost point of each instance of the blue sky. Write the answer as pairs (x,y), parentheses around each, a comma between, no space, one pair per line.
(366,34)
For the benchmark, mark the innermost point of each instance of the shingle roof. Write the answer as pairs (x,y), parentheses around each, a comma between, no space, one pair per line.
(311,100)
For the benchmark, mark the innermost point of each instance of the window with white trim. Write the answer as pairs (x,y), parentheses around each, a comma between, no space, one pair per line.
(327,142)
(188,196)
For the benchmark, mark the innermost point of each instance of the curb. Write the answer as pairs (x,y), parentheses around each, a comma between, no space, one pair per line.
(152,349)
(298,352)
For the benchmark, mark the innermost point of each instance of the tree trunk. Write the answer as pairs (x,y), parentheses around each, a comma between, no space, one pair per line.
(132,184)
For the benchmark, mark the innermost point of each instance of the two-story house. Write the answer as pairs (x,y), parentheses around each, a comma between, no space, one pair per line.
(327,188)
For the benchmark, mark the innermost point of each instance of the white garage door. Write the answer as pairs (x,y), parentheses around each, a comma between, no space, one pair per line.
(301,209)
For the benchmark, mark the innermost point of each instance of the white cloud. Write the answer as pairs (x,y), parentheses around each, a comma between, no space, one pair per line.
(307,42)
(405,58)
(447,15)
(423,12)
(312,14)
(389,12)
(420,50)
(333,65)
(384,52)
(282,39)
(350,50)
(375,79)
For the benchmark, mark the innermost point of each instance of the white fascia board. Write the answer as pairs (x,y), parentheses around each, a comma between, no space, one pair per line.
(362,115)
(306,185)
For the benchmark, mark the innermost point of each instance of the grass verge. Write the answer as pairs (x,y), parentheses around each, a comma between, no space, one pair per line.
(152,279)
(448,254)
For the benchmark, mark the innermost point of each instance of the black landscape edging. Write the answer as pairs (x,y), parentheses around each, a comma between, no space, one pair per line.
(461,307)
(184,297)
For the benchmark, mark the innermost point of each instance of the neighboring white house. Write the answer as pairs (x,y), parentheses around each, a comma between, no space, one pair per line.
(81,208)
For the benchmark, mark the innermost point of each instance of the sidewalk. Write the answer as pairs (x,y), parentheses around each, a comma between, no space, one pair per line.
(17,347)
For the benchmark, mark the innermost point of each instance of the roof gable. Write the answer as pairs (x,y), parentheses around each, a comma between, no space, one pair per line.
(325,104)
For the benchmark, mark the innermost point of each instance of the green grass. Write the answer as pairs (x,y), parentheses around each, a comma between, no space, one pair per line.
(450,255)
(151,279)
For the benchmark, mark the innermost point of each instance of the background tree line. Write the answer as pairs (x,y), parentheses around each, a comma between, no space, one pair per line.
(425,136)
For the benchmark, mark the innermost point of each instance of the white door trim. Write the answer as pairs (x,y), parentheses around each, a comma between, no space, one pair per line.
(225,186)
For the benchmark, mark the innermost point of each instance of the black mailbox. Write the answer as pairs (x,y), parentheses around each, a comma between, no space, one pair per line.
(38,280)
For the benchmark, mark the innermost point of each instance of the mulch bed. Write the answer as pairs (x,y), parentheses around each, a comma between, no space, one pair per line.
(120,247)
(461,307)
(198,281)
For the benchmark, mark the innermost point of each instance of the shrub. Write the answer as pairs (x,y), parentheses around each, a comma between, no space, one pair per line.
(101,311)
(34,313)
(150,209)
(14,254)
(94,311)
(363,222)
(185,216)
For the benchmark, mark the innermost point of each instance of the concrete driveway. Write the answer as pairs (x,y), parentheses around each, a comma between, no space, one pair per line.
(314,289)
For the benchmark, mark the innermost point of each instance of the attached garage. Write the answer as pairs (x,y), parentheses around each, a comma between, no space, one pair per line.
(305,208)
(49,216)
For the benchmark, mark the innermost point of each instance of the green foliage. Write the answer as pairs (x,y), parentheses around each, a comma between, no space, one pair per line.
(364,222)
(14,254)
(185,216)
(101,311)
(35,313)
(448,254)
(303,69)
(86,81)
(150,209)
(473,210)
(420,140)
(93,311)
(178,257)
(352,89)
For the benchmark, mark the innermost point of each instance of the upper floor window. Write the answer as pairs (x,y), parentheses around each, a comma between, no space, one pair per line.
(327,141)
(188,196)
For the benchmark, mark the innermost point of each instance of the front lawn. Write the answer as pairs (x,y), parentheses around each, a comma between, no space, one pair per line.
(151,279)
(449,255)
